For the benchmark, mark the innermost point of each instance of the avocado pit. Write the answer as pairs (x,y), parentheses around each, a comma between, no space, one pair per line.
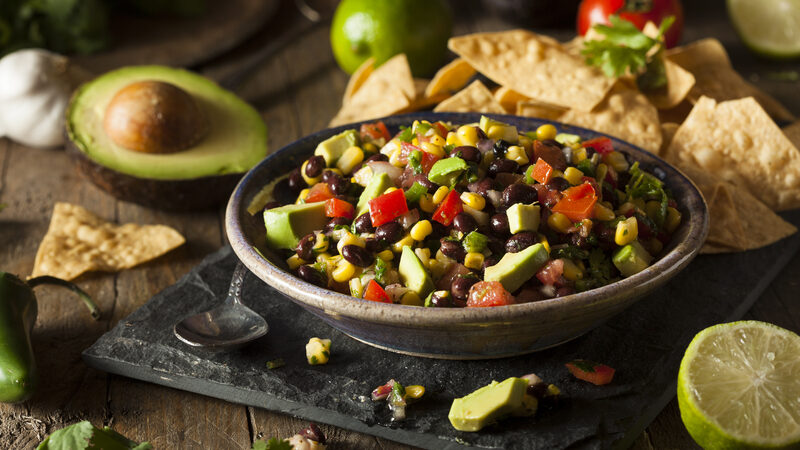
(154,117)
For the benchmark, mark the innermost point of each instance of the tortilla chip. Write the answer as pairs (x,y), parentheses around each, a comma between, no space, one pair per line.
(668,131)
(532,108)
(396,72)
(533,65)
(624,113)
(792,132)
(450,78)
(725,228)
(679,84)
(677,114)
(473,98)
(508,98)
(715,77)
(421,101)
(78,241)
(738,142)
(358,78)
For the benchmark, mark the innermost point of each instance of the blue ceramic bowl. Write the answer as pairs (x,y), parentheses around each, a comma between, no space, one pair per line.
(461,333)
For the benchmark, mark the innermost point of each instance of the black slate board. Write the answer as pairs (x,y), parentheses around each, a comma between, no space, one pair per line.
(645,344)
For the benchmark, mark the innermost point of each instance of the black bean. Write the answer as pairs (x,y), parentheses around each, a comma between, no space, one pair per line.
(482,186)
(496,245)
(579,241)
(357,256)
(271,205)
(565,290)
(590,151)
(459,287)
(499,223)
(502,166)
(464,222)
(453,250)
(364,224)
(441,301)
(389,232)
(336,221)
(313,433)
(439,230)
(339,185)
(481,134)
(500,148)
(296,181)
(520,241)
(489,261)
(519,193)
(558,183)
(308,273)
(283,192)
(537,390)
(467,153)
(610,195)
(304,247)
(314,166)
(373,245)
(328,175)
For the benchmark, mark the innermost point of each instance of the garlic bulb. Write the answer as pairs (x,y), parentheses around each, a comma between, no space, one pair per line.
(35,87)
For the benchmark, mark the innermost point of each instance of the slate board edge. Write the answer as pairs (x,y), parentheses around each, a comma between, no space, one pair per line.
(269,402)
(651,413)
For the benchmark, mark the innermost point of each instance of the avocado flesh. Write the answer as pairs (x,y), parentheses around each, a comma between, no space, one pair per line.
(488,404)
(377,184)
(332,148)
(631,259)
(523,217)
(514,269)
(286,225)
(236,140)
(447,170)
(413,273)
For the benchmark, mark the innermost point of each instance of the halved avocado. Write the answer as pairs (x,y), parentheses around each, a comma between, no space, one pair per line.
(199,176)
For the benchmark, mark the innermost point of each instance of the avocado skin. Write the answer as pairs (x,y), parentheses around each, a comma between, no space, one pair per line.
(174,195)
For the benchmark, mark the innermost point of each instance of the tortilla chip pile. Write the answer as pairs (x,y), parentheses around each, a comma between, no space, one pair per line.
(78,241)
(708,121)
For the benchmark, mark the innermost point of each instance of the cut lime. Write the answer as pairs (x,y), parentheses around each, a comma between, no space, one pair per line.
(769,27)
(739,387)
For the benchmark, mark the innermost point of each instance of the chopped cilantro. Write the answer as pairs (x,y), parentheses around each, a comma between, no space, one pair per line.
(406,134)
(586,167)
(570,252)
(415,161)
(380,271)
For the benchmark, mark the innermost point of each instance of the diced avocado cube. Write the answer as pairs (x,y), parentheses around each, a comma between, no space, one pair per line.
(413,273)
(488,404)
(523,217)
(377,184)
(287,224)
(631,259)
(568,139)
(446,171)
(514,269)
(332,148)
(499,130)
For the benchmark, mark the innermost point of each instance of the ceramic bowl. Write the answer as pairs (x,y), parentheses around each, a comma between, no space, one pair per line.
(461,333)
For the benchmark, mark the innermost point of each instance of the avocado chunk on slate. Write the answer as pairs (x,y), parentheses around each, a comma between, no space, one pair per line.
(514,269)
(523,217)
(488,404)
(631,259)
(236,139)
(332,148)
(413,273)
(499,130)
(287,224)
(377,184)
(446,171)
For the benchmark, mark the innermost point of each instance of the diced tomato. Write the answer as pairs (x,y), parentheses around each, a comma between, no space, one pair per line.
(375,293)
(542,171)
(339,208)
(448,209)
(595,373)
(601,145)
(406,149)
(593,183)
(441,129)
(428,159)
(578,202)
(385,208)
(489,293)
(551,272)
(375,130)
(612,177)
(319,193)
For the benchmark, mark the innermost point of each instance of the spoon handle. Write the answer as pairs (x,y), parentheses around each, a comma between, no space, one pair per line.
(235,291)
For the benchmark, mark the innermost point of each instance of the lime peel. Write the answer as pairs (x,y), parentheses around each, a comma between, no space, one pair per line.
(768,27)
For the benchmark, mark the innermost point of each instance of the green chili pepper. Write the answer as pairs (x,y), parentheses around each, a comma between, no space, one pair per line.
(18,311)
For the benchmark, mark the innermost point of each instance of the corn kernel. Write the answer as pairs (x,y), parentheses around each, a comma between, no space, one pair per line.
(318,351)
(627,231)
(438,140)
(616,161)
(517,153)
(369,147)
(302,196)
(390,189)
(546,131)
(421,230)
(626,208)
(468,135)
(552,389)
(573,175)
(407,241)
(600,172)
(603,213)
(332,169)
(321,243)
(394,159)
(440,194)
(578,155)
(350,239)
(438,268)
(473,200)
(556,173)
(415,391)
(351,157)
(411,298)
(433,149)
(638,203)
(424,255)
(323,257)
(473,260)
(426,203)
(343,271)
(673,219)
(652,208)
(356,287)
(310,181)
(571,270)
(559,222)
(545,243)
(386,255)
(294,262)
(452,139)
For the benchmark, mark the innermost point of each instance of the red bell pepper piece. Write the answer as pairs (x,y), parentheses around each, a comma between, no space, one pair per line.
(375,293)
(542,171)
(375,130)
(339,208)
(448,209)
(319,193)
(385,208)
(578,202)
(601,145)
(595,373)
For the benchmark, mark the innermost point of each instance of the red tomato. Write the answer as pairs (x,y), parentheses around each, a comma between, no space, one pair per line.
(489,293)
(551,272)
(385,208)
(375,131)
(637,12)
(339,208)
(601,145)
(441,129)
(319,193)
(448,209)
(375,293)
(595,373)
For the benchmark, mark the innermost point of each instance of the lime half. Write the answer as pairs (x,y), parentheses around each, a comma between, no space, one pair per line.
(739,387)
(769,27)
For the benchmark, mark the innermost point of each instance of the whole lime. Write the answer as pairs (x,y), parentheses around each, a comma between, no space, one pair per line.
(384,28)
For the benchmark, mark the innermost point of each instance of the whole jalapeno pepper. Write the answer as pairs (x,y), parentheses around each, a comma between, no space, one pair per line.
(18,311)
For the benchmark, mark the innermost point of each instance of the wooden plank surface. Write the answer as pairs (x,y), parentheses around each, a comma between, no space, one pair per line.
(297,92)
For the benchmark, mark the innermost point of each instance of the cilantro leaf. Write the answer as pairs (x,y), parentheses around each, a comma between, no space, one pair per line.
(406,134)
(380,270)
(415,161)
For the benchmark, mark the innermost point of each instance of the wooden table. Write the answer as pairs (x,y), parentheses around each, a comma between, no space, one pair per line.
(297,93)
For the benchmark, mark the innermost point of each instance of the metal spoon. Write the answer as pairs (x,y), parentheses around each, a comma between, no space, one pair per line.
(229,325)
